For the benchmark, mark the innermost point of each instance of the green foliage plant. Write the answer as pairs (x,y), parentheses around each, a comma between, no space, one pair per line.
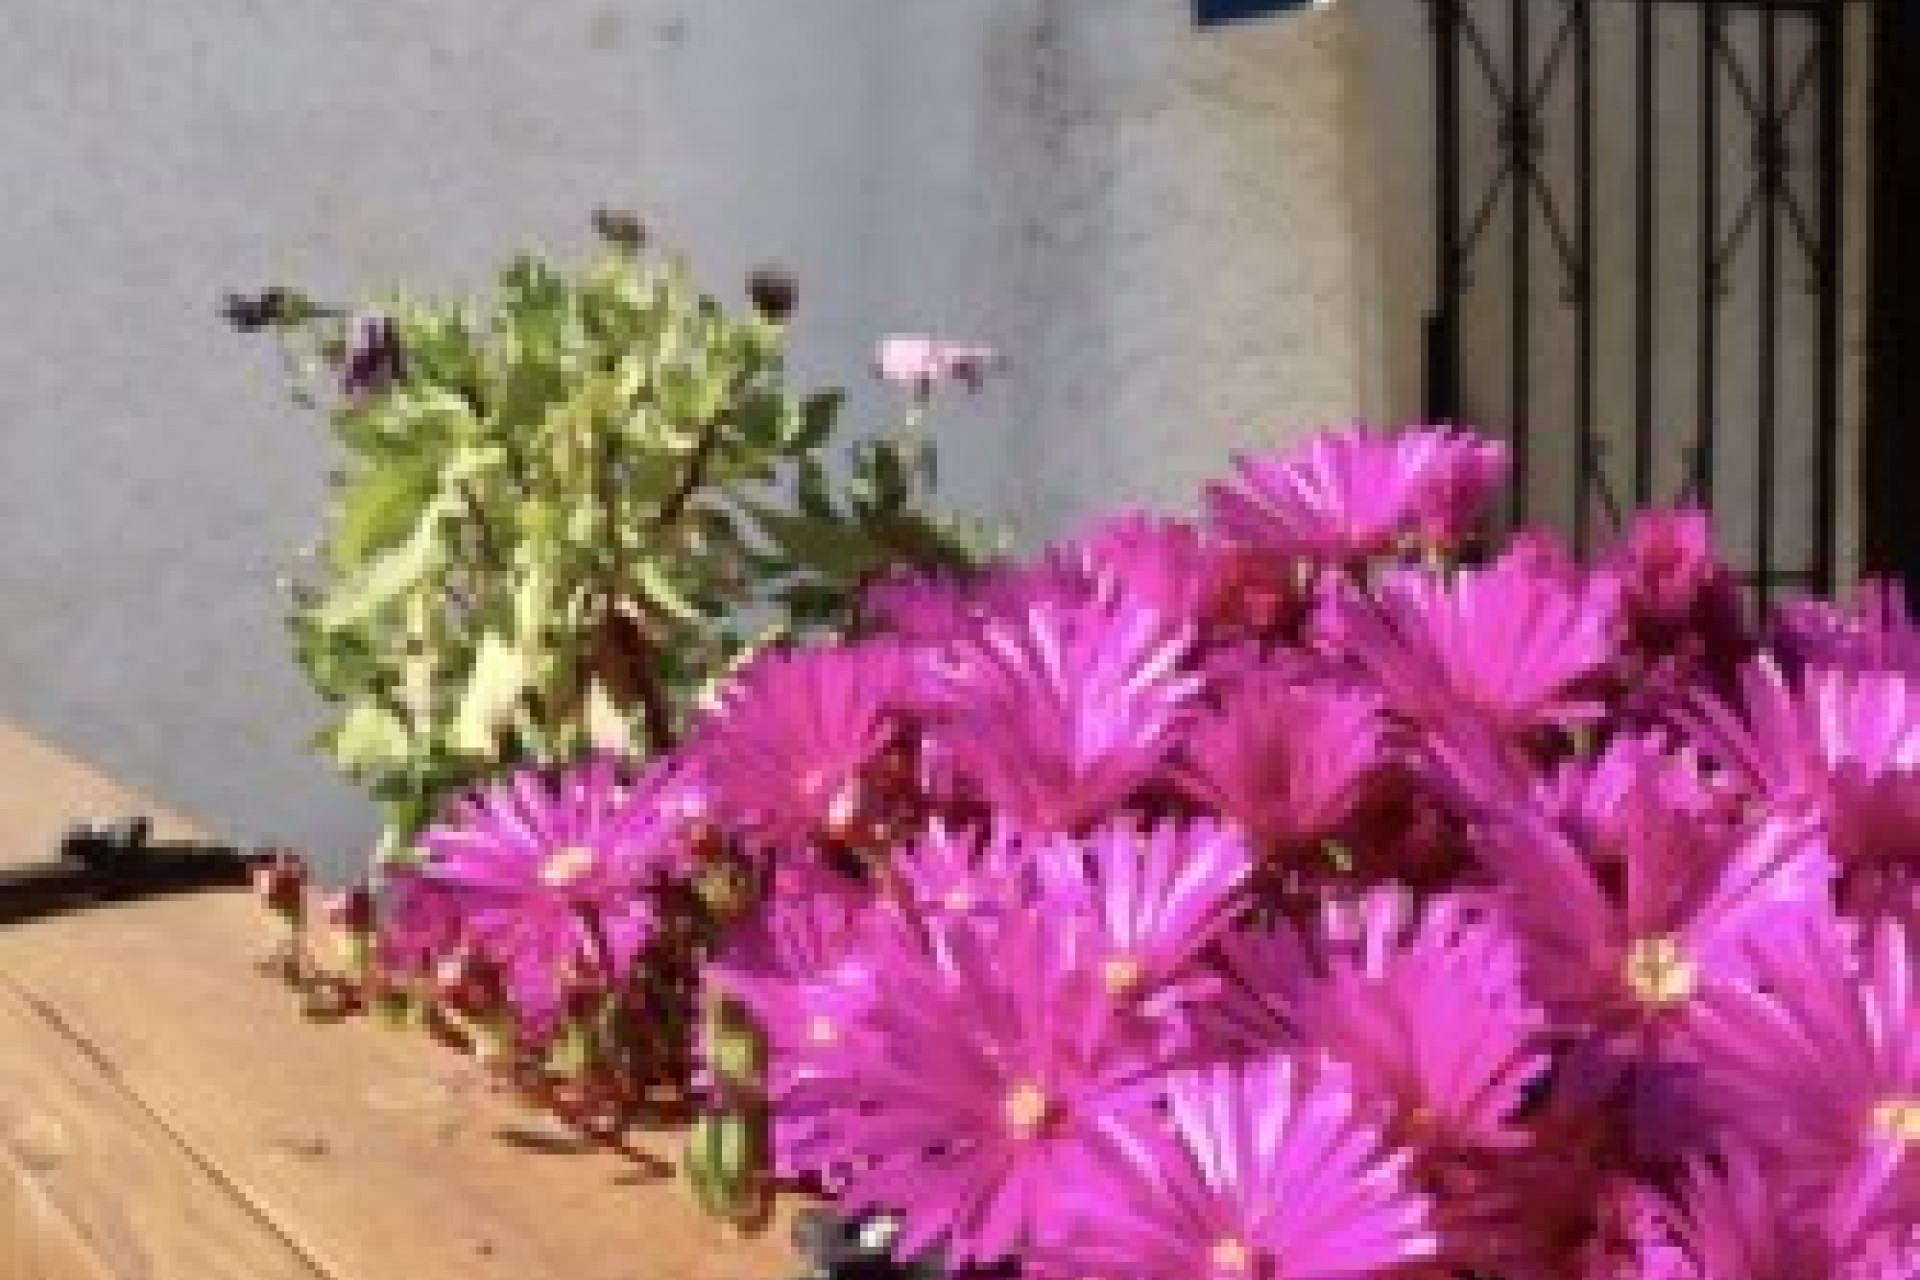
(564,513)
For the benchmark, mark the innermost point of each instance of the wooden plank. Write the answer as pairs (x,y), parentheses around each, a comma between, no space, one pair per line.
(373,1151)
(94,1188)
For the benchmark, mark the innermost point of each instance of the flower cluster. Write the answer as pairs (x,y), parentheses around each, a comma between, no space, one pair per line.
(1306,890)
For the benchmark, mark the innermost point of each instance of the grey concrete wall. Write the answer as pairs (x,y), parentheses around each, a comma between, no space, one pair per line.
(1159,226)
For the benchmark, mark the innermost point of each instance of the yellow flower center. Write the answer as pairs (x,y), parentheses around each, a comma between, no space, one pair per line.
(1026,1109)
(1122,975)
(1231,1257)
(1659,973)
(1899,1119)
(565,866)
(821,1029)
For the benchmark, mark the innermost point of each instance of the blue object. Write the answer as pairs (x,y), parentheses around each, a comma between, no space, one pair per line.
(1211,13)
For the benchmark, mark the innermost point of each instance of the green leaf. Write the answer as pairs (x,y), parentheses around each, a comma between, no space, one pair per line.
(388,576)
(657,588)
(759,417)
(810,491)
(889,478)
(371,737)
(843,551)
(376,510)
(739,1054)
(501,675)
(818,414)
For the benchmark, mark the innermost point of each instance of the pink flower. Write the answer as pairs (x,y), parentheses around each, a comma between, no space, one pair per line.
(798,962)
(1681,601)
(1428,1007)
(1155,899)
(960,872)
(975,1080)
(794,734)
(1463,479)
(923,363)
(548,878)
(1502,646)
(1818,1052)
(801,965)
(1288,761)
(1055,717)
(1734,1218)
(1358,494)
(1264,1170)
(1876,632)
(1167,565)
(1847,744)
(1628,936)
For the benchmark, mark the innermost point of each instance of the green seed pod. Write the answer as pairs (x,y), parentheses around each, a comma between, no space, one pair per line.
(741,1150)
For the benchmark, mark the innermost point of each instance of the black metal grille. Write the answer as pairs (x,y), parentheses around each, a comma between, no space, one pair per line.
(1643,293)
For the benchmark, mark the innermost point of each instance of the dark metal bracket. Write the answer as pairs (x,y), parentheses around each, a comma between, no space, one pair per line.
(100,863)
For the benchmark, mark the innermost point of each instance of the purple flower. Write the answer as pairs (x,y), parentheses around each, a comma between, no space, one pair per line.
(1876,632)
(1504,646)
(1155,899)
(980,1067)
(1628,934)
(548,878)
(374,359)
(1288,761)
(1818,1052)
(1680,600)
(1846,742)
(959,872)
(1428,1007)
(1734,1218)
(1168,565)
(922,363)
(1057,716)
(1358,494)
(794,734)
(801,964)
(1254,1171)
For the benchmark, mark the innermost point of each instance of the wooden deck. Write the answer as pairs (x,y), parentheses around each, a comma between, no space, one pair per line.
(166,1113)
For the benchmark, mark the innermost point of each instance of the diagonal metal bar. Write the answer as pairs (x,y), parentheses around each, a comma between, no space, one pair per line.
(1570,258)
(1743,220)
(1736,73)
(1476,42)
(1556,55)
(1483,216)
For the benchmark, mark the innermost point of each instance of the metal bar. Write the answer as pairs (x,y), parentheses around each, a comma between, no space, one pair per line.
(1446,37)
(96,866)
(1580,16)
(1645,252)
(1830,271)
(1469,240)
(1711,19)
(1772,175)
(1520,124)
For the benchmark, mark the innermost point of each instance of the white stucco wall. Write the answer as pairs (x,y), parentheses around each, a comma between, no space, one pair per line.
(1157,225)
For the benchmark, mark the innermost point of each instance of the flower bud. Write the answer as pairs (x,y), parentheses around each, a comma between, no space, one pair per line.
(468,984)
(773,292)
(271,307)
(620,228)
(374,359)
(350,913)
(281,881)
